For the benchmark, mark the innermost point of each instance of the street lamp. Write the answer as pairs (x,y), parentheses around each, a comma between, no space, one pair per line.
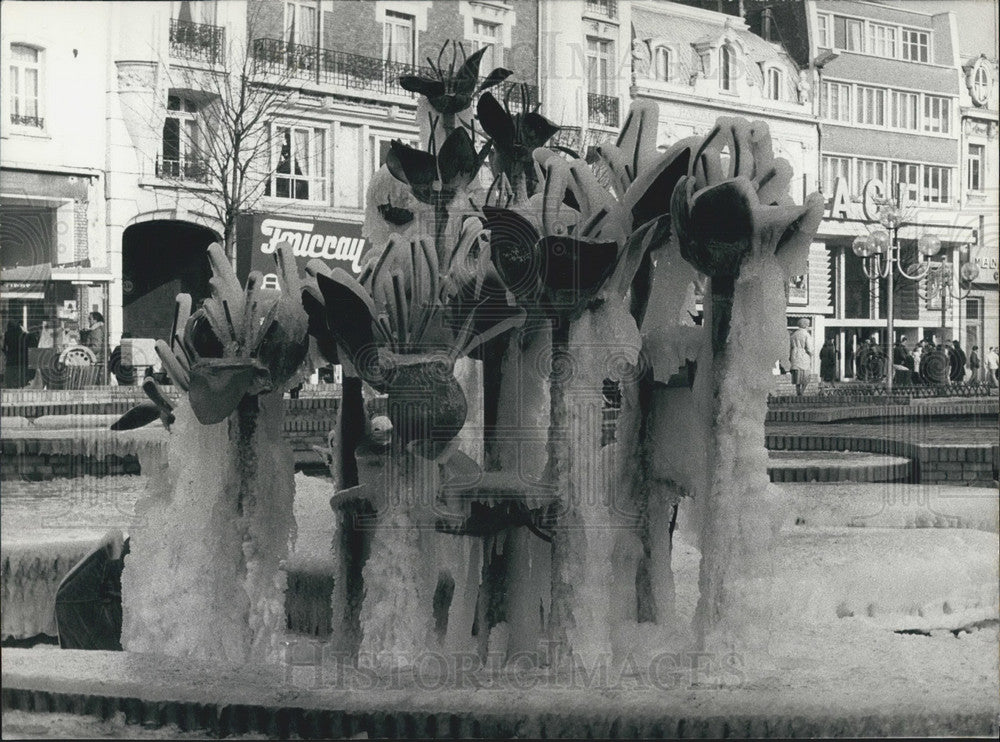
(880,254)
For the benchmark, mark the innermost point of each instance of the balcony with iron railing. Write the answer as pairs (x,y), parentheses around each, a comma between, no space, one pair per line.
(331,67)
(200,42)
(190,169)
(34,121)
(603,8)
(602,109)
(510,92)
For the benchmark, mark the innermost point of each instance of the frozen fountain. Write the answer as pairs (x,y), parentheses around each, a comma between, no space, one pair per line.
(518,503)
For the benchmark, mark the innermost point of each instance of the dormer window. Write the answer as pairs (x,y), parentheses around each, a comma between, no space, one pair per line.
(727,67)
(773,83)
(661,63)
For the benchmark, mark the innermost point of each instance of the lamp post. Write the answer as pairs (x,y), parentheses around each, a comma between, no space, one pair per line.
(880,254)
(960,289)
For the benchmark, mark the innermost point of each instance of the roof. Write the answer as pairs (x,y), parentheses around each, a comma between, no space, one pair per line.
(682,31)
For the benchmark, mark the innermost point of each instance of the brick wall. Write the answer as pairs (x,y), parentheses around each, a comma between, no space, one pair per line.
(350,26)
(307,422)
(523,57)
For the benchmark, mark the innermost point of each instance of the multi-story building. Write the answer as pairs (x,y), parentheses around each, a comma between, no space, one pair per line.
(699,65)
(55,265)
(978,106)
(888,99)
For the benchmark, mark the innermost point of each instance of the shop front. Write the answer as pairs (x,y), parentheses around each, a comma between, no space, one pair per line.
(52,302)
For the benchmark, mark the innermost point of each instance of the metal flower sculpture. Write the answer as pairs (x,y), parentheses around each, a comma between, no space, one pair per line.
(731,207)
(516,135)
(404,322)
(240,343)
(435,177)
(450,91)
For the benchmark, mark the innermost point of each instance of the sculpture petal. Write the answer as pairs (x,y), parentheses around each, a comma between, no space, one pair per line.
(496,121)
(421,85)
(199,337)
(217,388)
(536,130)
(514,251)
(412,166)
(648,196)
(576,266)
(350,311)
(457,160)
(318,329)
(720,225)
(142,414)
(465,78)
(496,77)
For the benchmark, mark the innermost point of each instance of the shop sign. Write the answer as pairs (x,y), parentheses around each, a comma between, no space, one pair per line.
(842,206)
(989,269)
(23,290)
(338,244)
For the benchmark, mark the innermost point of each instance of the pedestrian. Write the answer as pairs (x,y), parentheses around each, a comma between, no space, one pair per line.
(974,364)
(902,361)
(800,356)
(828,363)
(95,341)
(918,352)
(993,367)
(958,361)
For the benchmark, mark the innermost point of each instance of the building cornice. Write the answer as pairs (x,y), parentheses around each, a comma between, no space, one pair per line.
(698,14)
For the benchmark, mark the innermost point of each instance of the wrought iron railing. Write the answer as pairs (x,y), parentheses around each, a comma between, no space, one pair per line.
(878,392)
(602,109)
(192,169)
(570,137)
(198,41)
(514,88)
(606,8)
(18,120)
(332,67)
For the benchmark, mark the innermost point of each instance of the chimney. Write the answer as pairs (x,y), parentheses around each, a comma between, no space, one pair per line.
(766,20)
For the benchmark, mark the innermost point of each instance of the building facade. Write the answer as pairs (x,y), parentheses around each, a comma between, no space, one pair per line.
(54,265)
(699,65)
(889,100)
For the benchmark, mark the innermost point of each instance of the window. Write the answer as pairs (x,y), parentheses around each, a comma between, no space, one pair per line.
(906,177)
(937,114)
(300,23)
(298,156)
(937,182)
(980,84)
(837,101)
(727,67)
(661,63)
(854,42)
(25,85)
(606,8)
(975,164)
(868,170)
(882,40)
(871,106)
(399,38)
(904,110)
(774,84)
(599,56)
(823,35)
(190,11)
(488,35)
(834,168)
(915,45)
(180,155)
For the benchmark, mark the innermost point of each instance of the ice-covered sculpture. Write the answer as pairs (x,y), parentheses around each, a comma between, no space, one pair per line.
(736,223)
(203,576)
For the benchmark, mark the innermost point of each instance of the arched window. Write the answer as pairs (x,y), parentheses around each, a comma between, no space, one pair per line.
(727,67)
(774,83)
(661,63)
(25,86)
(980,84)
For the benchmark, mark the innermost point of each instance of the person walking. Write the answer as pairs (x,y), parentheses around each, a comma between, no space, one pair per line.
(95,341)
(828,363)
(958,362)
(918,352)
(974,364)
(800,356)
(993,367)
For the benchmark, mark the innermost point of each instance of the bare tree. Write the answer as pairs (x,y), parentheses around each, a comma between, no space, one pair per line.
(223,153)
